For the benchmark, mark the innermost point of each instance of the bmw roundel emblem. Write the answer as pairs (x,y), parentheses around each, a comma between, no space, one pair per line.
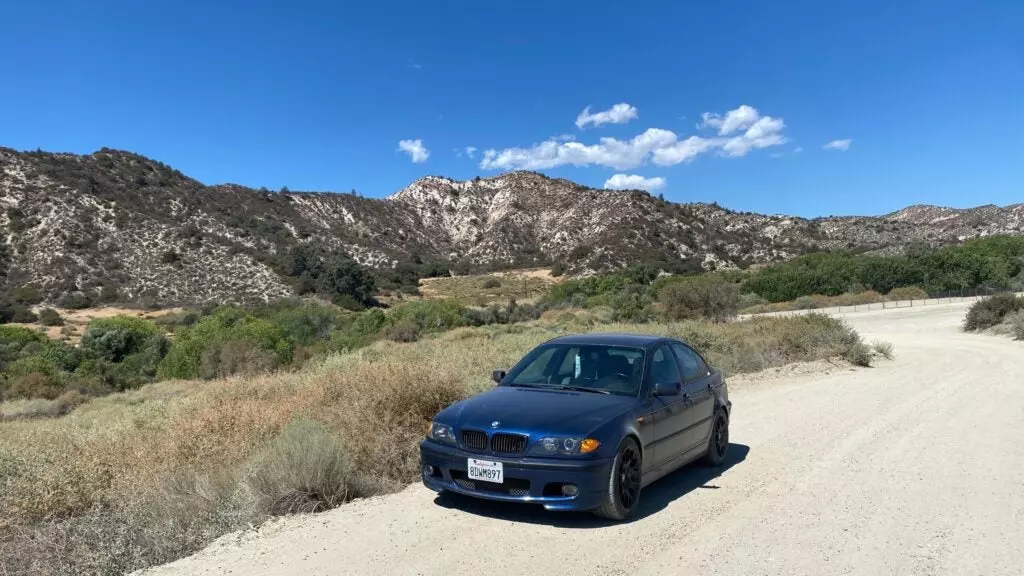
(495,424)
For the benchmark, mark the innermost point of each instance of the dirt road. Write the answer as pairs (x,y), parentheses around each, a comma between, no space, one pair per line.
(915,466)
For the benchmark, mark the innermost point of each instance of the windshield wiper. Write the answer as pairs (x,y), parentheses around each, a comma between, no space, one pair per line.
(527,385)
(582,389)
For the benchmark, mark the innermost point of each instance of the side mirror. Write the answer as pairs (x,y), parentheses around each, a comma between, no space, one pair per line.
(667,389)
(498,376)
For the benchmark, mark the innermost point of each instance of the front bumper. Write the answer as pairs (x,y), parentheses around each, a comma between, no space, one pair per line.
(529,480)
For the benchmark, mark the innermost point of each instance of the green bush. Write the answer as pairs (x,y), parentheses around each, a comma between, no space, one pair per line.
(749,300)
(302,322)
(1016,322)
(990,311)
(708,296)
(431,315)
(403,330)
(50,317)
(359,330)
(119,336)
(303,469)
(23,315)
(32,385)
(491,283)
(74,300)
(236,357)
(184,359)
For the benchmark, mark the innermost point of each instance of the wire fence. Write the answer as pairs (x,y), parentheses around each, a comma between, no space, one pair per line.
(947,297)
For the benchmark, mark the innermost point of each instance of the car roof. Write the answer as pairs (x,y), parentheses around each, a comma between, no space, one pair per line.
(611,339)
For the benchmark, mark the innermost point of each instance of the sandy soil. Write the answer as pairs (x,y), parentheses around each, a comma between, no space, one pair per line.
(915,466)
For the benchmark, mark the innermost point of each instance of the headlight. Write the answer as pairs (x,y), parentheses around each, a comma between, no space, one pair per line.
(442,433)
(565,445)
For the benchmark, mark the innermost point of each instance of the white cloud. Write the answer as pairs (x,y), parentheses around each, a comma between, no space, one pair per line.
(633,182)
(470,151)
(799,149)
(738,119)
(842,145)
(682,151)
(619,154)
(566,137)
(415,149)
(660,146)
(618,114)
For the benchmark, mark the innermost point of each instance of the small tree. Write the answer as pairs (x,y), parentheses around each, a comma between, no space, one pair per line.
(50,317)
(707,296)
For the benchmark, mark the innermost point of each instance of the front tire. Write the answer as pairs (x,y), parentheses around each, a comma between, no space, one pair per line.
(623,489)
(718,444)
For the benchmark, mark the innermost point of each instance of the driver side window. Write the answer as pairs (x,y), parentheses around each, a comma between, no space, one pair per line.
(663,367)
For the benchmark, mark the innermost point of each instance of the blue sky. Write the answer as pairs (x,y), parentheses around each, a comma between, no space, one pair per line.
(318,95)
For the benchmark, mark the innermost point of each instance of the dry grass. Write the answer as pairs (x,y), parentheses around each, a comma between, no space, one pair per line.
(143,477)
(484,289)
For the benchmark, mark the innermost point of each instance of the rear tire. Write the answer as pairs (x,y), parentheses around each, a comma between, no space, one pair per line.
(622,493)
(718,444)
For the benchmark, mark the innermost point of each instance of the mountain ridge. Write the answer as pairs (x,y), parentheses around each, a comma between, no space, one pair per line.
(119,223)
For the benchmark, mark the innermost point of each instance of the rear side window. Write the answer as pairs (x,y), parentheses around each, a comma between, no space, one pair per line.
(663,367)
(693,367)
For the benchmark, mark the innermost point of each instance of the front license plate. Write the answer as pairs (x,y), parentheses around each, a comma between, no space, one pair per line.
(484,470)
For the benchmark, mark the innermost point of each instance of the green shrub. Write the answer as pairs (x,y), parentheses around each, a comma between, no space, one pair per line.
(302,322)
(23,315)
(303,469)
(32,385)
(403,330)
(27,295)
(750,300)
(18,336)
(236,357)
(184,359)
(31,364)
(1016,322)
(708,296)
(431,315)
(118,336)
(74,300)
(990,311)
(50,317)
(359,330)
(491,283)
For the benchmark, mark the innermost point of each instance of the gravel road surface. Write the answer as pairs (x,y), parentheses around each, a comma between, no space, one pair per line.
(915,466)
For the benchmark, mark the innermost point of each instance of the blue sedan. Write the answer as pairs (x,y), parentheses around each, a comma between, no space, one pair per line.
(582,423)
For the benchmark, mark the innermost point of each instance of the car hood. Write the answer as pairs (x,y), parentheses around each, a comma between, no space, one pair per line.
(529,410)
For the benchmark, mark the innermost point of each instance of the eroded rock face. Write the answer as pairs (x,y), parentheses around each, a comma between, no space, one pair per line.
(129,223)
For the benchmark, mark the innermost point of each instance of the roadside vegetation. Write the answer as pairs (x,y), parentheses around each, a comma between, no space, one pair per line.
(147,475)
(1001,310)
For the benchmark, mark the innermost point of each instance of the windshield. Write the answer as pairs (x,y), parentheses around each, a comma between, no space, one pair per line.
(606,369)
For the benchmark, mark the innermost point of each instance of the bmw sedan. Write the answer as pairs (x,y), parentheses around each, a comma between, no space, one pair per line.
(582,423)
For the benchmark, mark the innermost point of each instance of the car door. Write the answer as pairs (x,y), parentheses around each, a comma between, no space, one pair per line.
(669,413)
(699,396)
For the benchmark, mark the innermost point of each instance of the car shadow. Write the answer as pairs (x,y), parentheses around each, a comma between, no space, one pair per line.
(653,499)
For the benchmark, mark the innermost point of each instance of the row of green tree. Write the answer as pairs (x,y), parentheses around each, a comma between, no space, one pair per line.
(124,352)
(643,291)
(994,262)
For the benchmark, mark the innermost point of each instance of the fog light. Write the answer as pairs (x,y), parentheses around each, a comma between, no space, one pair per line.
(428,470)
(570,490)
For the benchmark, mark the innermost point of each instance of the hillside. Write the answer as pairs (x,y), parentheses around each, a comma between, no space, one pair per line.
(120,226)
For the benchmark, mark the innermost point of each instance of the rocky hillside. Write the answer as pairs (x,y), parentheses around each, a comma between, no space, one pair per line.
(124,227)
